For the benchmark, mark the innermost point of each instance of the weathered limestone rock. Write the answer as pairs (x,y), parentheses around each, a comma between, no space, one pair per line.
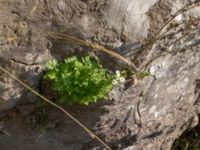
(149,115)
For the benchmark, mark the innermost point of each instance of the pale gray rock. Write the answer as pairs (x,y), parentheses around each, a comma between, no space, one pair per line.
(149,115)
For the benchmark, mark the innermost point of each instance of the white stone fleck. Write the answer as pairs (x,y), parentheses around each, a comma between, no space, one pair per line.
(152,109)
(158,69)
(130,107)
(155,96)
(179,18)
(158,113)
(29,57)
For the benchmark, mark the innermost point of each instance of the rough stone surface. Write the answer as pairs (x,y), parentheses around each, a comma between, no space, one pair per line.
(149,115)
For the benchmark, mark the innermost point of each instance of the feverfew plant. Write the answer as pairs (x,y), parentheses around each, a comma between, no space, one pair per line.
(80,80)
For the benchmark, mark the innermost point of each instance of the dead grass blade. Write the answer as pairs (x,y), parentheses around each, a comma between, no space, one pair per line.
(91,134)
(69,38)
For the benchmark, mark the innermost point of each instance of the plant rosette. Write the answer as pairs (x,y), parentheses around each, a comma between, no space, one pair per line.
(81,80)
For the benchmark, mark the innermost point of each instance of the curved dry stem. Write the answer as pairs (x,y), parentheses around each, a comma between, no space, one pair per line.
(69,38)
(91,134)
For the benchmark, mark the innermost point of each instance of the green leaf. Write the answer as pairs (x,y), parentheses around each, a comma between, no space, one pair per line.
(81,81)
(50,65)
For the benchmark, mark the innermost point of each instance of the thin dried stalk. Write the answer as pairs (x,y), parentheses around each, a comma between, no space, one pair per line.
(68,38)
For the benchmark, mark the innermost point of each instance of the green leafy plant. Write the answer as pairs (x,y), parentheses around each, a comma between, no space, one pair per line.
(79,80)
